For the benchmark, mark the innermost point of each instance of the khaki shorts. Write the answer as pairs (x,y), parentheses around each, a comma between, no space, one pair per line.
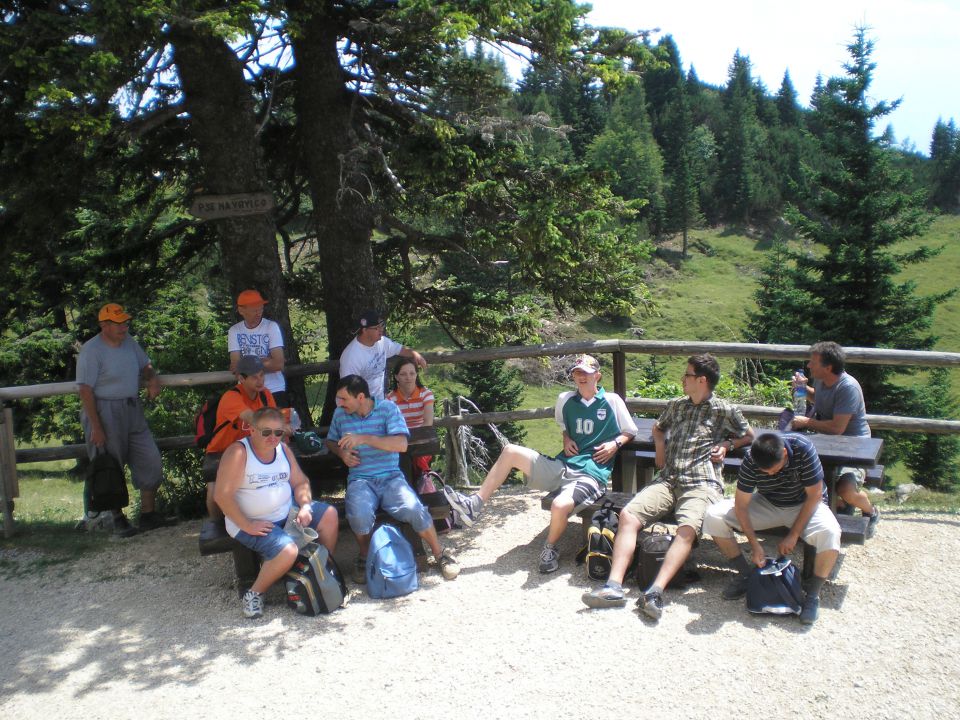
(688,505)
(549,474)
(854,474)
(822,529)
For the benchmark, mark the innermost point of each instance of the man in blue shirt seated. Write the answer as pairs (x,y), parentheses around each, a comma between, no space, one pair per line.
(368,435)
(780,483)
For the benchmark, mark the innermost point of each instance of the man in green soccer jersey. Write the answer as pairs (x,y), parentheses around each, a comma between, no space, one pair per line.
(595,425)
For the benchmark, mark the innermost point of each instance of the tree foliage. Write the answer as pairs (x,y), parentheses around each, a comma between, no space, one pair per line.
(845,287)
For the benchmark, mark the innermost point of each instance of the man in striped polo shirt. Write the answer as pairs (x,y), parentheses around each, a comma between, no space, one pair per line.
(368,435)
(780,483)
(595,425)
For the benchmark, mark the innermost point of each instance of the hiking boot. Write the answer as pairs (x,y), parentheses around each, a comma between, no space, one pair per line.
(252,604)
(449,567)
(153,520)
(549,559)
(604,597)
(872,523)
(736,588)
(467,507)
(122,527)
(360,570)
(651,604)
(810,609)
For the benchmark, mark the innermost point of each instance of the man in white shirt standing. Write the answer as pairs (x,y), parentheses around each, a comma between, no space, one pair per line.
(257,335)
(367,354)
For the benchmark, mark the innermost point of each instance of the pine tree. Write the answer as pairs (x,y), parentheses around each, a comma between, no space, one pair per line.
(932,458)
(847,289)
(493,387)
(626,149)
(741,142)
(945,158)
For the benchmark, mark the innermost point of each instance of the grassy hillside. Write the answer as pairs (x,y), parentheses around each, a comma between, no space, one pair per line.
(706,296)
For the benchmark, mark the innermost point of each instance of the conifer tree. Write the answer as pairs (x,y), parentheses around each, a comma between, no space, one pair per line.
(945,158)
(741,142)
(847,290)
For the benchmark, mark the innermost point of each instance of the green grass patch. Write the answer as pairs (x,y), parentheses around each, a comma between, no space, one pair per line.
(45,517)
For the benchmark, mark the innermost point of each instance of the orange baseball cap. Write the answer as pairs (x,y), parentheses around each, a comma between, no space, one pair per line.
(250,297)
(113,313)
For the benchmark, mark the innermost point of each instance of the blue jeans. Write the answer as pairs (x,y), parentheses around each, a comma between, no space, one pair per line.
(393,494)
(269,546)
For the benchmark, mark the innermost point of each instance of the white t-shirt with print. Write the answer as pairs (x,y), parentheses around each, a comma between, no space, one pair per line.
(258,341)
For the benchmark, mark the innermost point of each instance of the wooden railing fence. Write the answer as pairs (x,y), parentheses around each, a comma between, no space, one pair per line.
(618,349)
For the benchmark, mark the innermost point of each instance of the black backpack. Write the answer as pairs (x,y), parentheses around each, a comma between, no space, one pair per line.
(105,487)
(206,419)
(600,536)
(314,584)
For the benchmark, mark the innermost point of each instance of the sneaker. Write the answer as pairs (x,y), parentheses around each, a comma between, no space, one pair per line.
(467,507)
(651,604)
(810,609)
(449,567)
(154,520)
(736,588)
(872,523)
(604,597)
(360,570)
(252,604)
(122,527)
(549,559)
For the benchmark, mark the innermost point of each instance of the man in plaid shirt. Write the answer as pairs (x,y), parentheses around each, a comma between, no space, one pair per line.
(692,437)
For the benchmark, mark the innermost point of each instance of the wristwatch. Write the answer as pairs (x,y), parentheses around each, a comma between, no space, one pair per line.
(730,445)
(618,443)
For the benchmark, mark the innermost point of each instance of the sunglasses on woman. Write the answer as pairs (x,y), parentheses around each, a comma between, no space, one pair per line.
(267,432)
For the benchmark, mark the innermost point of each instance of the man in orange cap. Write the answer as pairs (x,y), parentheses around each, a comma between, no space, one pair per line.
(110,368)
(257,335)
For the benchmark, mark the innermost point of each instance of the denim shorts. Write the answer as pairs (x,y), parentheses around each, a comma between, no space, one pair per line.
(269,546)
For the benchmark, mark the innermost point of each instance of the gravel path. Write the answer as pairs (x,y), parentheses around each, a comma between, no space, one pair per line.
(148,629)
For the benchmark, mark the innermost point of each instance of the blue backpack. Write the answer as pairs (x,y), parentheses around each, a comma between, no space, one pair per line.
(391,566)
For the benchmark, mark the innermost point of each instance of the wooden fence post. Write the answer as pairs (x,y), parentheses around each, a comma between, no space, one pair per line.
(9,487)
(620,388)
(451,455)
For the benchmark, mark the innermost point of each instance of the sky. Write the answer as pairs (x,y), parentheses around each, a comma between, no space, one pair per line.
(916,47)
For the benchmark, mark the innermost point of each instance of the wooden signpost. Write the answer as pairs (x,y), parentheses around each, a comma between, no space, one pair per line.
(214,207)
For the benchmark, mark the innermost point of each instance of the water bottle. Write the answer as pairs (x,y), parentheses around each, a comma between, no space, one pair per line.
(799,394)
(294,420)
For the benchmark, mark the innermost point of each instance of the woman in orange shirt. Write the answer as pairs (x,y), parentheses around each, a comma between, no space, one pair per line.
(416,405)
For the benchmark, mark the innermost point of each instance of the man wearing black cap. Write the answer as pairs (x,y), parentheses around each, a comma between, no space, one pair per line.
(367,354)
(109,370)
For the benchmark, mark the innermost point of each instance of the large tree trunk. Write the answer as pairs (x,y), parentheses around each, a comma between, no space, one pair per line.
(340,185)
(224,125)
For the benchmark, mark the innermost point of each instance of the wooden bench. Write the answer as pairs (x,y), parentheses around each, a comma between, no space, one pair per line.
(874,476)
(853,529)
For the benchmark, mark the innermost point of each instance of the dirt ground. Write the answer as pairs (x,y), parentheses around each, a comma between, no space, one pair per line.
(149,629)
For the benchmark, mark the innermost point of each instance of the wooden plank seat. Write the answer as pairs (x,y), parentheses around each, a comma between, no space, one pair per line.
(247,563)
(853,529)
